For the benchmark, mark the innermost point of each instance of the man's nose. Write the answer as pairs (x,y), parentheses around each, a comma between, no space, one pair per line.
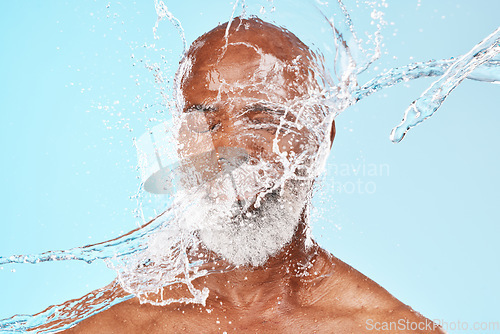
(221,132)
(213,123)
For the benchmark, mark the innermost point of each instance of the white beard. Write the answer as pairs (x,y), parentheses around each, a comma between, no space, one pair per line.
(250,238)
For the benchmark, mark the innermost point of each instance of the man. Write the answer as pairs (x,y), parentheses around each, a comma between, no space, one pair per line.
(253,90)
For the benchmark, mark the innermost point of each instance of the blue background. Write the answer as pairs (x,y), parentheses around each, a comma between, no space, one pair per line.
(75,92)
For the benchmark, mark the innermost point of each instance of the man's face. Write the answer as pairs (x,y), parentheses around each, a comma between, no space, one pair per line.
(249,96)
(250,127)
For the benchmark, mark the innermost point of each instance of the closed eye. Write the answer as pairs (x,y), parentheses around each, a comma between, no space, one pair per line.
(261,118)
(259,114)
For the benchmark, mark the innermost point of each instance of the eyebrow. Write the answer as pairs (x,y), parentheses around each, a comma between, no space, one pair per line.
(200,107)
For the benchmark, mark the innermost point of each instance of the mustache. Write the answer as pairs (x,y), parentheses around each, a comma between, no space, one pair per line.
(240,210)
(198,169)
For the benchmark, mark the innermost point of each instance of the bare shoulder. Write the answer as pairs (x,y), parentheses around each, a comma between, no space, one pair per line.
(352,299)
(124,318)
(131,317)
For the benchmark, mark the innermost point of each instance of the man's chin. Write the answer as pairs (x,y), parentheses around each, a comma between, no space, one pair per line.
(250,236)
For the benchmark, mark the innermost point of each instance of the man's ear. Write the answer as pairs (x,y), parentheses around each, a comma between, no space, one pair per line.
(332,134)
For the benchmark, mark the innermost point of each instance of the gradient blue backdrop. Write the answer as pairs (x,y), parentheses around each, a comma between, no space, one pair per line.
(74,92)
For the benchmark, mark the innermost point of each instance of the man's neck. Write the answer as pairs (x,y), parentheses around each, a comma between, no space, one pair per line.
(283,275)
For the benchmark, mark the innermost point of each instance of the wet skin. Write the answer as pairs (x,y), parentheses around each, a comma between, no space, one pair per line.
(299,290)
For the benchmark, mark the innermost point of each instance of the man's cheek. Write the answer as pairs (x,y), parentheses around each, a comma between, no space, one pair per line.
(294,145)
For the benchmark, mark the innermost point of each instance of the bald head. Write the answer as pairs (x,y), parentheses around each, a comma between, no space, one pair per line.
(252,57)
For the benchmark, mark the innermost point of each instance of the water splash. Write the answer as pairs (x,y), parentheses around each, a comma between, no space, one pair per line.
(60,317)
(124,245)
(488,72)
(162,12)
(158,253)
(430,100)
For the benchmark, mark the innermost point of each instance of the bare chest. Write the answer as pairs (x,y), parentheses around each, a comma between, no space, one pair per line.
(279,321)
